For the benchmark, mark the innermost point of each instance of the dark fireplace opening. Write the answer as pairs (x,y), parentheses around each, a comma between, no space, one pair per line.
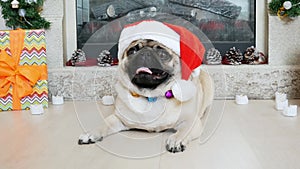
(226,23)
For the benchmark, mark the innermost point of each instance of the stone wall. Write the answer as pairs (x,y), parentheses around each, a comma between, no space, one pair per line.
(54,12)
(258,82)
(284,41)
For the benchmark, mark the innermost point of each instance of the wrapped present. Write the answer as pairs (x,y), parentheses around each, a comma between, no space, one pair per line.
(23,69)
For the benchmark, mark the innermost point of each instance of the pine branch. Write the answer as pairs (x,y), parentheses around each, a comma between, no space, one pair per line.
(32,19)
(275,5)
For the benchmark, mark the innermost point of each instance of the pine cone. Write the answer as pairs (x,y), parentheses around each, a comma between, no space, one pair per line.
(77,56)
(105,59)
(213,57)
(233,57)
(253,56)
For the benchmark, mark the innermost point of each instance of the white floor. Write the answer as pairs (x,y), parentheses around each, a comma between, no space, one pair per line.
(253,136)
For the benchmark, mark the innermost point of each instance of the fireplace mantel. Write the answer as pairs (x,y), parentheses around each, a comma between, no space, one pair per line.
(281,43)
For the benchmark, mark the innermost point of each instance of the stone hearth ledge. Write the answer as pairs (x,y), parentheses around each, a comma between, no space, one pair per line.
(255,81)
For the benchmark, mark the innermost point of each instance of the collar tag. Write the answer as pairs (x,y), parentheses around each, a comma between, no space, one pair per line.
(152,99)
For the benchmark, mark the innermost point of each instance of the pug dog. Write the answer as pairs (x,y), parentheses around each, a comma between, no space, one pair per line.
(152,96)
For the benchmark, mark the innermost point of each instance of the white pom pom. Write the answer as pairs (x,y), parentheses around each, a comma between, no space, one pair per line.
(184,90)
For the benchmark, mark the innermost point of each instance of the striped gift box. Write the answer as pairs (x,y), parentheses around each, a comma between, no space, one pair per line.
(33,55)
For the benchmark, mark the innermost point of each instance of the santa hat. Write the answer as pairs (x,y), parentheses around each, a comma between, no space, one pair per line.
(177,38)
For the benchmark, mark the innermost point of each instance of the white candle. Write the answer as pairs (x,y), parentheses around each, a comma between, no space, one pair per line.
(280,97)
(57,100)
(281,105)
(290,111)
(36,109)
(108,100)
(241,99)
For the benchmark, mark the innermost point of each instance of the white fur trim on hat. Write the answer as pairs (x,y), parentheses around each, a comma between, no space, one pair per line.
(196,72)
(150,29)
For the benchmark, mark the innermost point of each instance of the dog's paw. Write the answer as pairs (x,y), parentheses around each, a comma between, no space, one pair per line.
(175,148)
(88,139)
(174,145)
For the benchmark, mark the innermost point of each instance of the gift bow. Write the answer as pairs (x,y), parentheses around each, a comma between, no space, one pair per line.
(21,78)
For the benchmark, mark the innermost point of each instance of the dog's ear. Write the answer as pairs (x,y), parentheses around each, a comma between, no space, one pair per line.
(114,51)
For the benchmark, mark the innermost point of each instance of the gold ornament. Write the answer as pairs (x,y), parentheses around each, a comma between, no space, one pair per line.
(281,13)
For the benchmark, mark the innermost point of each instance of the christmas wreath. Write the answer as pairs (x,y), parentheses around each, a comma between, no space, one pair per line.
(25,14)
(283,8)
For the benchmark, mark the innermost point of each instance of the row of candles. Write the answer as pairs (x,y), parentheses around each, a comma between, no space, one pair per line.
(281,101)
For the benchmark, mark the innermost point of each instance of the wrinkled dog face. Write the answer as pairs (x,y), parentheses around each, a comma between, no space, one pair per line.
(149,64)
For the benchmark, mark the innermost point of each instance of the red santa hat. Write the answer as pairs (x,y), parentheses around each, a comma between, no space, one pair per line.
(177,38)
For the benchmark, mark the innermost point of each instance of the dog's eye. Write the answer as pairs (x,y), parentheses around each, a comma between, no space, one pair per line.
(164,55)
(132,50)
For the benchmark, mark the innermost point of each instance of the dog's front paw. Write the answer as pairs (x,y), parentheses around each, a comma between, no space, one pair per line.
(174,145)
(88,139)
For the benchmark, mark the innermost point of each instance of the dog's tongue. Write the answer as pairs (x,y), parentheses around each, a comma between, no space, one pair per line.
(143,70)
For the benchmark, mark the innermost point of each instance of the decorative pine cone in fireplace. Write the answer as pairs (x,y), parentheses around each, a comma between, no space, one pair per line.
(213,57)
(233,57)
(253,56)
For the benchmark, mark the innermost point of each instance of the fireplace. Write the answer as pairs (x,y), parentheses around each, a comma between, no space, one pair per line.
(226,23)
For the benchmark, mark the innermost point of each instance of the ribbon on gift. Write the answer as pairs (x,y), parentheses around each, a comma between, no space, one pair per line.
(21,78)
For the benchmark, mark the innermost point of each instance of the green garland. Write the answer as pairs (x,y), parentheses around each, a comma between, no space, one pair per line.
(276,7)
(29,18)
